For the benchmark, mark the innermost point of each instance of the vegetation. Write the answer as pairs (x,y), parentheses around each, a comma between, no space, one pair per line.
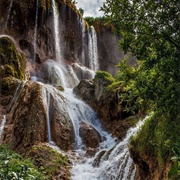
(12,166)
(49,161)
(99,23)
(105,76)
(150,31)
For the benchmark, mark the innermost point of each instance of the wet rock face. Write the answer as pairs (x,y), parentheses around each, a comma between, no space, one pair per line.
(12,70)
(18,21)
(27,125)
(106,104)
(89,135)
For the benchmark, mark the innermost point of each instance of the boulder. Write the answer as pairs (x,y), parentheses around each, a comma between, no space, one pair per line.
(89,135)
(28,124)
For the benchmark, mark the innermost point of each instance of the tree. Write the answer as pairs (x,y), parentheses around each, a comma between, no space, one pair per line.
(150,31)
(81,11)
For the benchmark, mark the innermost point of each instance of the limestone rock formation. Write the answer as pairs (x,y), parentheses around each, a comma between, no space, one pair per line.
(106,103)
(89,135)
(53,163)
(19,21)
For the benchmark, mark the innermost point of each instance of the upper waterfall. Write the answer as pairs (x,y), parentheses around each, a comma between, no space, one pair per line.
(56,32)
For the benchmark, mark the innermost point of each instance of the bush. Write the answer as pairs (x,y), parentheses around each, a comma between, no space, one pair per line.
(12,166)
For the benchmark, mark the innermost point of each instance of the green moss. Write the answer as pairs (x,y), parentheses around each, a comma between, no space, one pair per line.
(114,86)
(156,139)
(105,76)
(14,62)
(45,4)
(48,160)
(100,24)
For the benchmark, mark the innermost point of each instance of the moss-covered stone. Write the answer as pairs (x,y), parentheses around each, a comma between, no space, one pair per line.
(152,147)
(105,76)
(53,164)
(12,62)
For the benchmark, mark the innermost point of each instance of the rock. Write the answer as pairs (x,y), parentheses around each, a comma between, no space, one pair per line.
(89,135)
(103,97)
(85,90)
(52,163)
(29,119)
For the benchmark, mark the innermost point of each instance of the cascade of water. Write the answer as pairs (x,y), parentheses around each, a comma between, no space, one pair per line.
(46,99)
(115,164)
(83,42)
(80,111)
(60,74)
(35,29)
(8,13)
(48,119)
(16,95)
(2,126)
(92,49)
(56,32)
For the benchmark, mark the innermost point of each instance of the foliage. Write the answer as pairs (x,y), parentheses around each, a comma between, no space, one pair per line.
(158,139)
(150,31)
(99,23)
(105,76)
(81,11)
(12,166)
(175,170)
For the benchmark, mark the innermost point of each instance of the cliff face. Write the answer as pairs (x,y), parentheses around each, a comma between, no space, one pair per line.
(21,20)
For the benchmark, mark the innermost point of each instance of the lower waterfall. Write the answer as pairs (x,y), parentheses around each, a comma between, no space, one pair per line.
(2,126)
(108,163)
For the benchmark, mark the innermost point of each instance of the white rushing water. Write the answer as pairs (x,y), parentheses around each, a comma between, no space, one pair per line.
(8,14)
(35,30)
(2,126)
(60,74)
(46,94)
(16,95)
(80,111)
(109,164)
(83,29)
(56,32)
(93,49)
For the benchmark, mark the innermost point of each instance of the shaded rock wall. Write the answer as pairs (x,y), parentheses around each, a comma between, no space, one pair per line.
(20,23)
(106,104)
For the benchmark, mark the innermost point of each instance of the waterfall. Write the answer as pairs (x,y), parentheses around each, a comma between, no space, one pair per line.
(56,32)
(80,111)
(2,126)
(93,49)
(16,95)
(46,99)
(59,74)
(35,29)
(83,42)
(48,119)
(8,14)
(112,163)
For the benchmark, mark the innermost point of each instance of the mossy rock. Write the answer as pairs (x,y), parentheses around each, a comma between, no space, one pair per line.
(8,85)
(13,63)
(105,76)
(53,164)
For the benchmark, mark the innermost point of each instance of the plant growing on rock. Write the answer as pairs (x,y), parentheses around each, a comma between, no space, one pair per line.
(13,166)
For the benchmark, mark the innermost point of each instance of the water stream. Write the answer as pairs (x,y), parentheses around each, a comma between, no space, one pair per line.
(35,30)
(56,32)
(109,163)
(8,14)
(93,49)
(16,95)
(2,126)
